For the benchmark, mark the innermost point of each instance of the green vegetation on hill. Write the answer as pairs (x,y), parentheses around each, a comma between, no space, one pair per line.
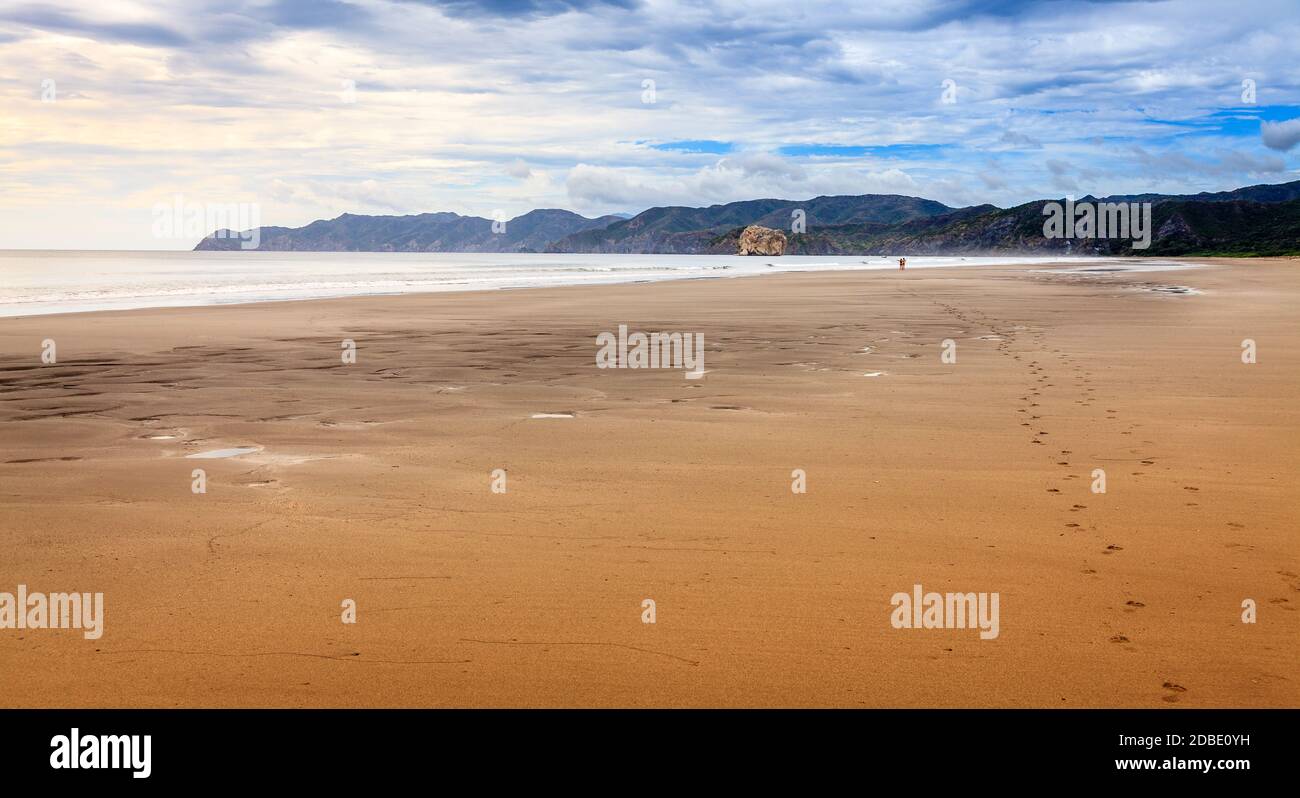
(1252,221)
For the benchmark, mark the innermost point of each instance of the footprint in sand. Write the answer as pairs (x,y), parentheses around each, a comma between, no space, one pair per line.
(1119,639)
(1174,691)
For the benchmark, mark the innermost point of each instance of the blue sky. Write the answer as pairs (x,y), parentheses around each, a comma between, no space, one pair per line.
(312,109)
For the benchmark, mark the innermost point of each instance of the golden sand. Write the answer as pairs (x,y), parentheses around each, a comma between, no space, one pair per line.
(372,482)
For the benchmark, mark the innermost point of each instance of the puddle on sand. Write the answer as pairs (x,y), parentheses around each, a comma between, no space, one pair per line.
(555,415)
(215,454)
(874,374)
(1114,267)
(1184,290)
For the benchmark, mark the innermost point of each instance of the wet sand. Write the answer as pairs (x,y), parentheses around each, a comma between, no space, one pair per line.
(373,482)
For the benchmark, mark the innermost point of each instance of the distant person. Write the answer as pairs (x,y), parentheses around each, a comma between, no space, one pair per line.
(902,264)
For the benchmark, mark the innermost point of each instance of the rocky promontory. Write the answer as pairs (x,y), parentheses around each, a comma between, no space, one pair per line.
(758,240)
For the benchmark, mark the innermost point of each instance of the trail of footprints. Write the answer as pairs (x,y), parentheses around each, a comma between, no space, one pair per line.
(1040,382)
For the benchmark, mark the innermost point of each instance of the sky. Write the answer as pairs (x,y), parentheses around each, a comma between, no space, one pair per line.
(295,110)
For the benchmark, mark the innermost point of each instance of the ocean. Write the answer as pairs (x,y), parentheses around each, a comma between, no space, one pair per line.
(38,282)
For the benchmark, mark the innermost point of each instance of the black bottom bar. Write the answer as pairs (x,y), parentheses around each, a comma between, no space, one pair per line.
(337,747)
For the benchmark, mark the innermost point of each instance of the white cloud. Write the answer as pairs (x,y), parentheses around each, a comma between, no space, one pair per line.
(1280,135)
(518,169)
(601,189)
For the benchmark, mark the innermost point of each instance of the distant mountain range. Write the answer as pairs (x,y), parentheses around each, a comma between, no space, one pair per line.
(1256,220)
(425,232)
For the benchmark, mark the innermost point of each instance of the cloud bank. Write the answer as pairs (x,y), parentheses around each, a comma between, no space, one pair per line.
(312,109)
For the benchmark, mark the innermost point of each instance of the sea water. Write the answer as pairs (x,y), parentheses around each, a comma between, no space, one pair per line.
(36,282)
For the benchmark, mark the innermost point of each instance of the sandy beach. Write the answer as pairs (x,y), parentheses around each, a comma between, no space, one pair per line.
(372,481)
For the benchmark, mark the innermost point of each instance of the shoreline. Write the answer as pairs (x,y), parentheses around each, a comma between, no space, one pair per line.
(323,287)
